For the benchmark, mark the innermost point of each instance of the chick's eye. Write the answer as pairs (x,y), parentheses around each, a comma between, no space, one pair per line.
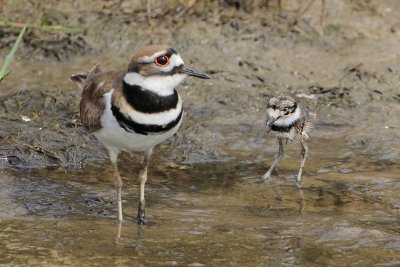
(161,61)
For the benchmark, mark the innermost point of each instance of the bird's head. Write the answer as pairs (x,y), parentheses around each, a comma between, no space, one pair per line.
(282,110)
(159,68)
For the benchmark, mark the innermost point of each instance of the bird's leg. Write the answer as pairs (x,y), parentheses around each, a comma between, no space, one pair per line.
(114,159)
(119,230)
(303,201)
(278,157)
(304,151)
(143,177)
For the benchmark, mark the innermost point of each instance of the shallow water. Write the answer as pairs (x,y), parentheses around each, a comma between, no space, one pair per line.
(207,214)
(204,199)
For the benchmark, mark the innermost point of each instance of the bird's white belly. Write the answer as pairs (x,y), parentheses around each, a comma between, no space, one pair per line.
(114,137)
(291,135)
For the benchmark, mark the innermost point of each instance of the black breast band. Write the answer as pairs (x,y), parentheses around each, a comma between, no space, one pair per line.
(285,128)
(144,129)
(148,102)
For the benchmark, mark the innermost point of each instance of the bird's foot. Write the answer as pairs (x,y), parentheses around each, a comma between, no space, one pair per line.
(140,219)
(265,177)
(298,178)
(298,183)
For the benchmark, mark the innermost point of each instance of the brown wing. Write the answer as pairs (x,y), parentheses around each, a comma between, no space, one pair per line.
(304,125)
(95,85)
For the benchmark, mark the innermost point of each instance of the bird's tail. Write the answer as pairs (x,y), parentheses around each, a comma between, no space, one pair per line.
(82,78)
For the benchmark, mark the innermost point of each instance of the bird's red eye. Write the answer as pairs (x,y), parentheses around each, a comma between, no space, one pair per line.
(161,61)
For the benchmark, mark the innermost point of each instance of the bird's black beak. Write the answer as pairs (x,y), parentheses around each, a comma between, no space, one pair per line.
(196,74)
(270,122)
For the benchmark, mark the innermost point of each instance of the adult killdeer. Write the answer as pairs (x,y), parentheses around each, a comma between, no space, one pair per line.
(136,109)
(289,122)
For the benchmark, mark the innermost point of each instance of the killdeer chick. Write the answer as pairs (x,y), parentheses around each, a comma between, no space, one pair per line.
(136,109)
(289,122)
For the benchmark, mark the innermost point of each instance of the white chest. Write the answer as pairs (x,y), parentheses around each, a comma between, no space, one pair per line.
(116,138)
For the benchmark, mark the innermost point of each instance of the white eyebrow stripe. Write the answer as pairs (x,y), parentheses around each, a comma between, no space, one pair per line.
(150,59)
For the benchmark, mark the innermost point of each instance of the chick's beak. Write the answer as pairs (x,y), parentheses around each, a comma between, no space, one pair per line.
(194,73)
(270,122)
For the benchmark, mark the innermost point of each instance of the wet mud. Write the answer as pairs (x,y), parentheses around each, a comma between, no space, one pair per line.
(204,198)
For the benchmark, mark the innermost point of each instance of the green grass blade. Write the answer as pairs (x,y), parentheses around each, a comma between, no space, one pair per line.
(60,28)
(4,70)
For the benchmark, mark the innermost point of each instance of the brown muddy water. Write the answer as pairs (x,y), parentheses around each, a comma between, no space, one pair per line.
(208,214)
(205,201)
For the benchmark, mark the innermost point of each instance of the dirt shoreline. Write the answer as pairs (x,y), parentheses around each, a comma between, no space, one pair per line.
(349,76)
